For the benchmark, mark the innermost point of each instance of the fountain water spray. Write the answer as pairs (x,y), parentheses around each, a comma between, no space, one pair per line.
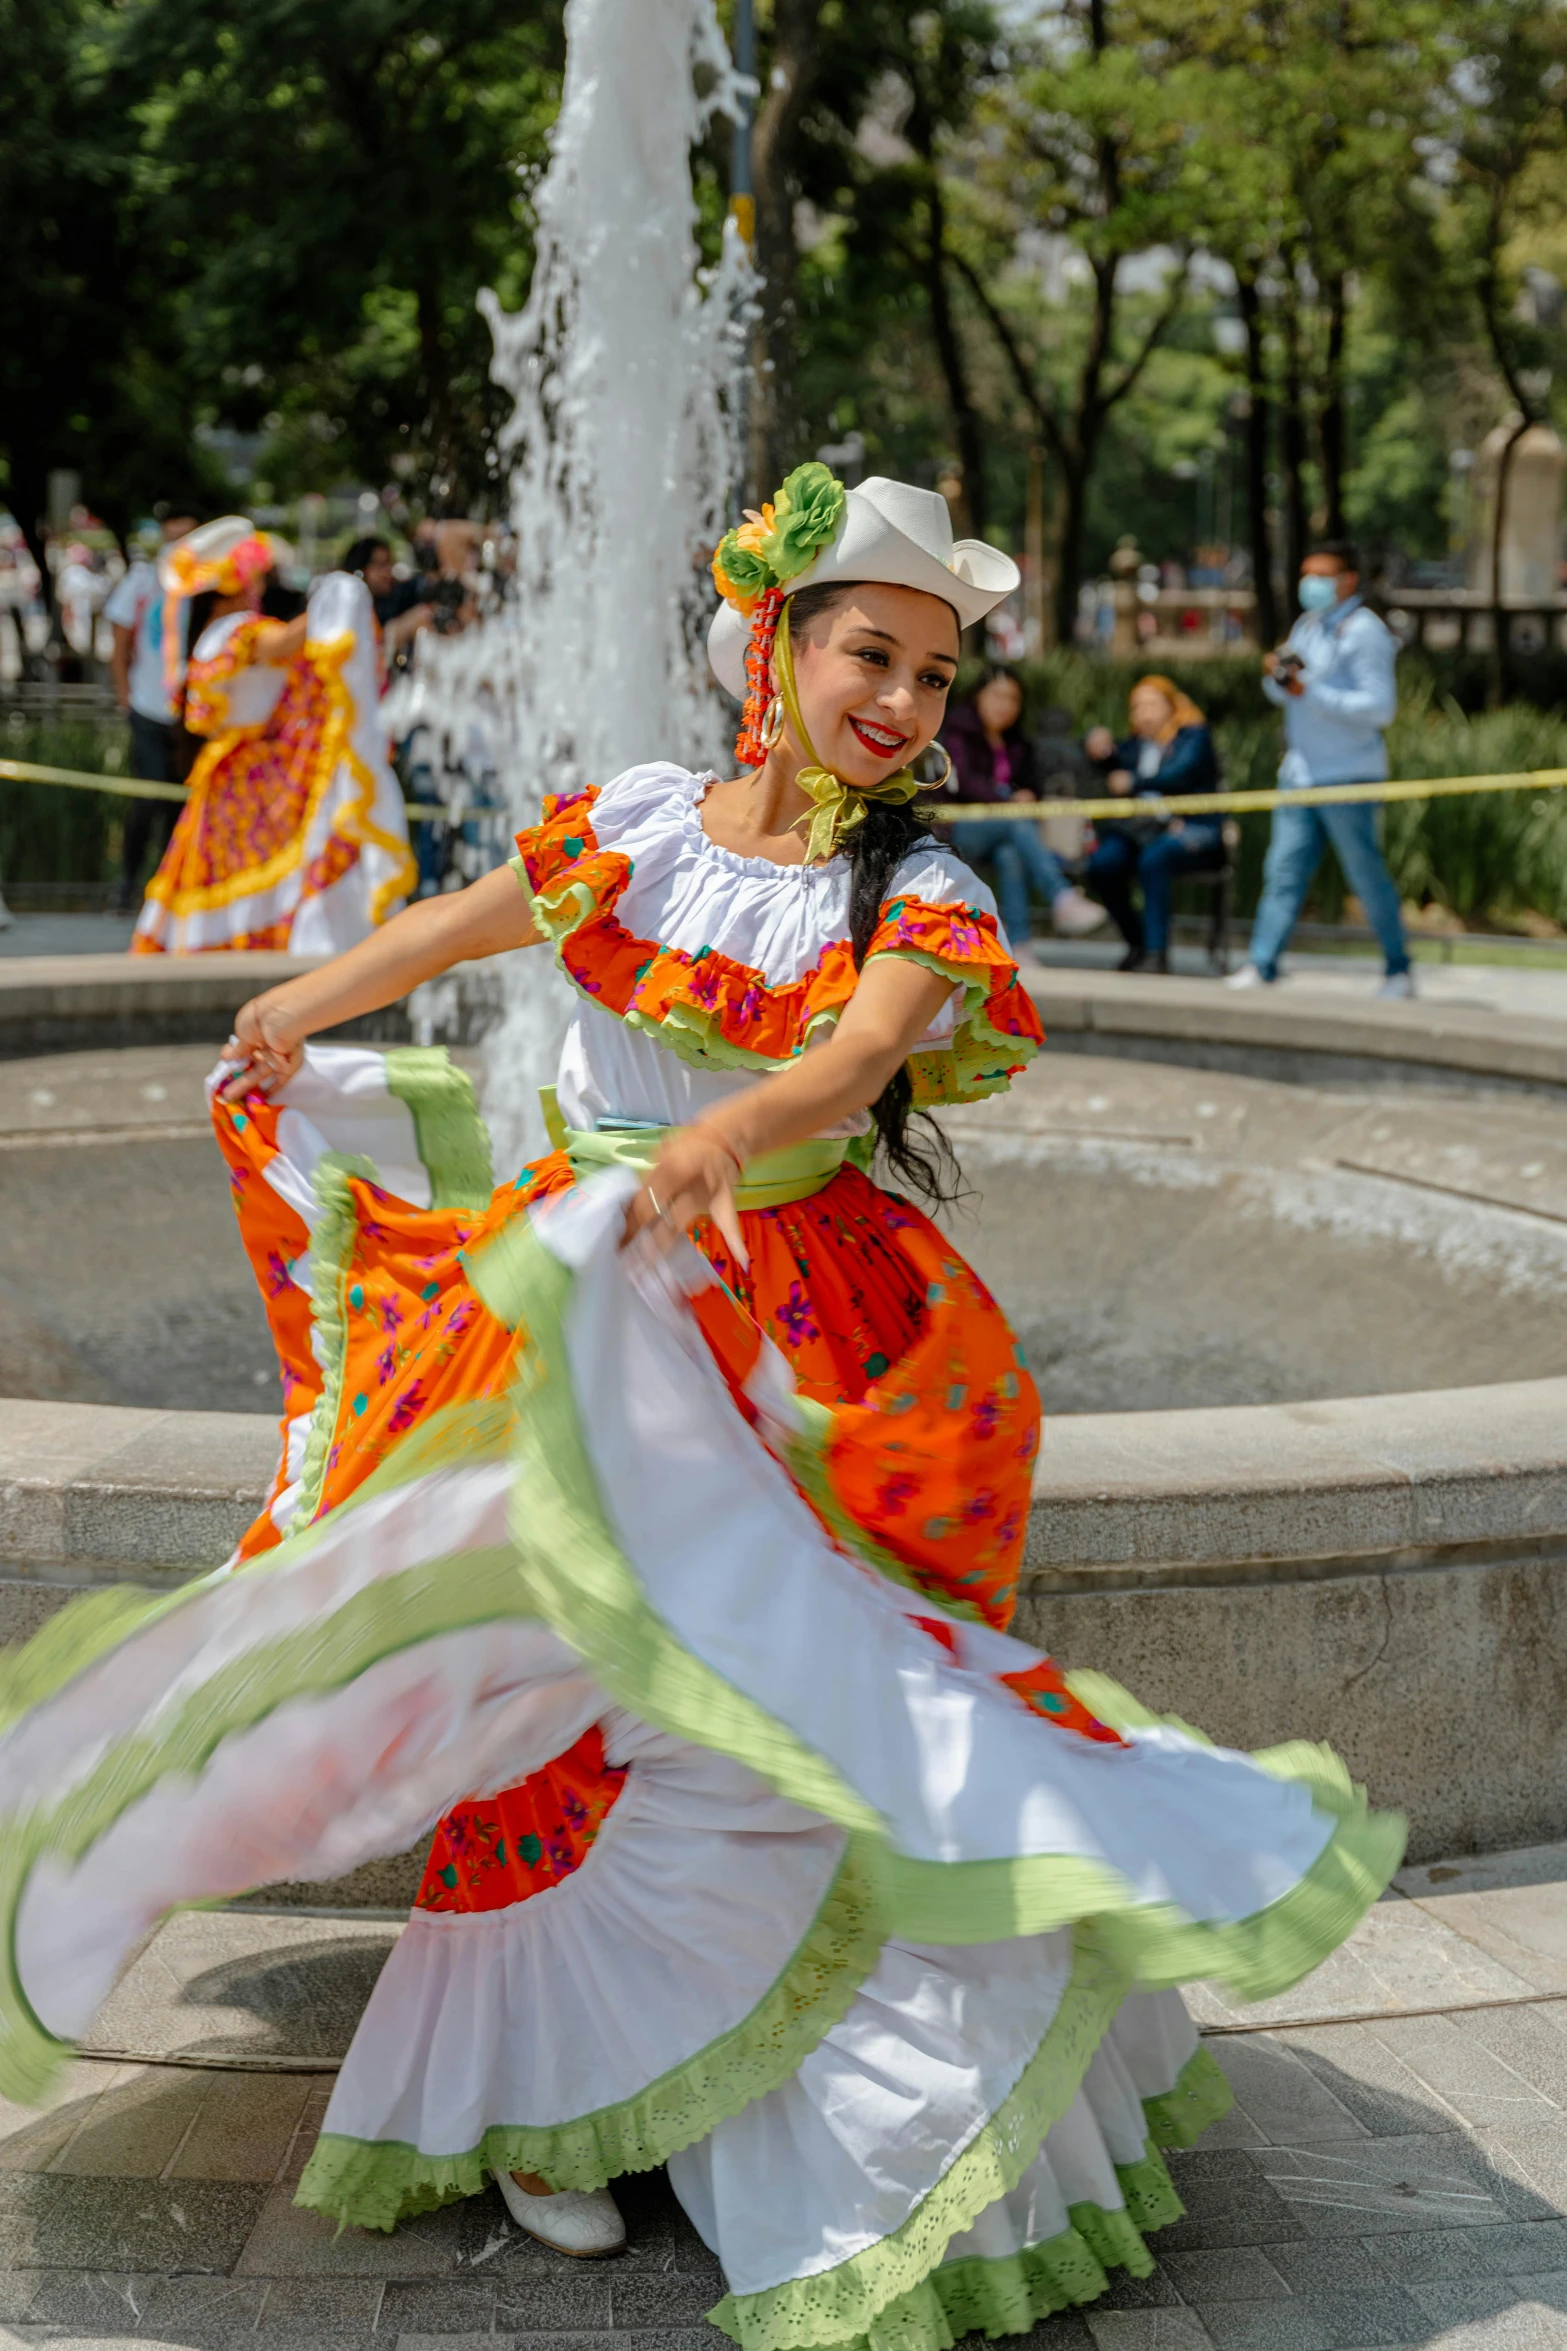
(625,366)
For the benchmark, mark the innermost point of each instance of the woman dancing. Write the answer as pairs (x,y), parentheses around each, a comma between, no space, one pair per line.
(672,1580)
(294,834)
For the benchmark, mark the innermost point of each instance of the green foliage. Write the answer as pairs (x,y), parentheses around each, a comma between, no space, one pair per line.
(340,183)
(51,833)
(1494,857)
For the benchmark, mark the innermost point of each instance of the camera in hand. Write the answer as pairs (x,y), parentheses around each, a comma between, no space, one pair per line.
(1289,665)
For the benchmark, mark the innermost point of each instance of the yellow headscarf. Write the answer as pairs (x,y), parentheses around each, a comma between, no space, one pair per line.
(839,806)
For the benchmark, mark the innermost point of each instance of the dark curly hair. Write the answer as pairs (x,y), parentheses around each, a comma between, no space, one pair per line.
(914,1146)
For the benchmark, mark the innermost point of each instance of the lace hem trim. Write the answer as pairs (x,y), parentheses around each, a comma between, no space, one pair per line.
(376,2184)
(843,2304)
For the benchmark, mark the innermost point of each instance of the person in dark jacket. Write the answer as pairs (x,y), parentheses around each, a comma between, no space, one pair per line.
(993,760)
(1169,751)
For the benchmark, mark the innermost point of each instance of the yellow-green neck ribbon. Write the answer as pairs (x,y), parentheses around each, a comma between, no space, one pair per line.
(839,807)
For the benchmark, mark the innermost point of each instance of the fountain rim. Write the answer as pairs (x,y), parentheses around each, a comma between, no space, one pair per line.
(61,1003)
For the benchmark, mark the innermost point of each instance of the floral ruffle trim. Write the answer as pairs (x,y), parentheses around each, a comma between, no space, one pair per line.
(998,1029)
(714,1011)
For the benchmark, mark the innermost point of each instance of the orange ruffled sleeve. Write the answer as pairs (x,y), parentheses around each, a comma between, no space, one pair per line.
(997,1031)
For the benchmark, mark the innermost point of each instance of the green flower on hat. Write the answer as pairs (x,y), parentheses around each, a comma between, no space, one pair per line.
(806,514)
(783,540)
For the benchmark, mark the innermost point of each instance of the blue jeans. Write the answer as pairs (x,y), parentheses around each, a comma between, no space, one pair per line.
(1300,837)
(1022,862)
(1157,865)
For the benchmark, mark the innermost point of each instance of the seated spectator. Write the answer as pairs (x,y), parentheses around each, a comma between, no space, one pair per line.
(992,759)
(1169,750)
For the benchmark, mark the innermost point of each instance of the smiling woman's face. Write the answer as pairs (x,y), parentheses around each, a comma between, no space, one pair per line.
(872,676)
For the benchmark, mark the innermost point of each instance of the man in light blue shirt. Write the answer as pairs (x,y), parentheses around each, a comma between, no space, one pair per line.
(1334,681)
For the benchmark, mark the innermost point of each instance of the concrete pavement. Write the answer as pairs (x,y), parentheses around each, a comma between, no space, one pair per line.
(1400,2178)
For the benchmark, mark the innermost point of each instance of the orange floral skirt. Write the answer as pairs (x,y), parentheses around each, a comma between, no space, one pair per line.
(926,1444)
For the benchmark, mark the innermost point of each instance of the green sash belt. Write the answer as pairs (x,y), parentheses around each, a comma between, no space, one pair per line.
(769,1182)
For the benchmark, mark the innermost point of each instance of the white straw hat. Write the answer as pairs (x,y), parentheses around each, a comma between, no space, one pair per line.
(893,533)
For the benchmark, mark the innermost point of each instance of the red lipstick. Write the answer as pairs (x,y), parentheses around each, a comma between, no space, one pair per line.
(881,750)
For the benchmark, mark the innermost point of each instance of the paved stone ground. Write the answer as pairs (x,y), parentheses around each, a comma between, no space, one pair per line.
(1401,2179)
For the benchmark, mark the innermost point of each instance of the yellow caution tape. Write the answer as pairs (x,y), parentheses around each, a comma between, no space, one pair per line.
(1127,804)
(78,779)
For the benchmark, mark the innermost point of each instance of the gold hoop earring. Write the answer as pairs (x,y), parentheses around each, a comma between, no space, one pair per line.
(773,723)
(939,783)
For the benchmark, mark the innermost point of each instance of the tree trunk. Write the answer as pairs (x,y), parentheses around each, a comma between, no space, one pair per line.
(446,485)
(773,426)
(966,424)
(1331,423)
(1039,609)
(949,349)
(1258,433)
(1500,669)
(28,500)
(1072,529)
(1292,452)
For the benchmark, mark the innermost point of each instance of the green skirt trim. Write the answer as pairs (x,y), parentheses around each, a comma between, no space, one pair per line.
(422,1604)
(332,1246)
(375,2184)
(454,1150)
(1178,2117)
(584,1586)
(1009,2295)
(894,2295)
(454,1142)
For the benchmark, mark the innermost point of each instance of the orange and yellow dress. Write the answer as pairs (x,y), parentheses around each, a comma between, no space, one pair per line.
(294,835)
(672,1596)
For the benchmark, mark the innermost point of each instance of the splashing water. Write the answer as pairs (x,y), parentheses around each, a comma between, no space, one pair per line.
(625,367)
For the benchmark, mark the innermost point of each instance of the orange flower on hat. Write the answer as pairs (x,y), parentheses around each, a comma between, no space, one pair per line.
(740,570)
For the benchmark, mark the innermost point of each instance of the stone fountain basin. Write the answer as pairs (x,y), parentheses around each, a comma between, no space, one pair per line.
(1164,1237)
(1160,1237)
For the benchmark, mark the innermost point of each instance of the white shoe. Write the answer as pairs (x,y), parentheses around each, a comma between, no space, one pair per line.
(1398,986)
(1074,914)
(1247,977)
(584,2222)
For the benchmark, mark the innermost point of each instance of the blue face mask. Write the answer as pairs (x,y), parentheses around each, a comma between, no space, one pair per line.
(1317,591)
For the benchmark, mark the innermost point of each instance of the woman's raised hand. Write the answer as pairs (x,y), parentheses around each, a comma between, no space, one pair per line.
(267,1048)
(693,1176)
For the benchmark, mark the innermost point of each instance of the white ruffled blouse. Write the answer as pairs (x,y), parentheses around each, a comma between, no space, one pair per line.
(697,968)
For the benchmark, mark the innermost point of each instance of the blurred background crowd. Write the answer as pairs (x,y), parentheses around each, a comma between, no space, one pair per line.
(1161,299)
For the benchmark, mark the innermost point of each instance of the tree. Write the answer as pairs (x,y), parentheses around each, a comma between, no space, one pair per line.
(859,103)
(90,375)
(1091,150)
(1308,117)
(1508,84)
(792,75)
(334,185)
